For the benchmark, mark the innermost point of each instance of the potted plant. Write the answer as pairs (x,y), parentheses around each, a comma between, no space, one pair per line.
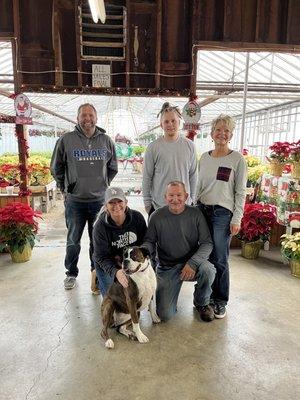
(256,225)
(279,155)
(18,228)
(295,159)
(290,250)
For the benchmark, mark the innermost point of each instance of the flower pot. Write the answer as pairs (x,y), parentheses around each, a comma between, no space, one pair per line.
(10,190)
(295,268)
(276,168)
(296,170)
(250,250)
(18,257)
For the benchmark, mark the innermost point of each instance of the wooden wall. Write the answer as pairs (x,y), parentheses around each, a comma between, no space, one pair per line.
(169,31)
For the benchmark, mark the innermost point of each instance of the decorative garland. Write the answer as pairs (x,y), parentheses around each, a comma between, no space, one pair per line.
(191,134)
(24,149)
(116,91)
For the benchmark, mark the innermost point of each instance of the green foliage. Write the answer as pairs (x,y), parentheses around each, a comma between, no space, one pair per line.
(254,173)
(138,150)
(290,246)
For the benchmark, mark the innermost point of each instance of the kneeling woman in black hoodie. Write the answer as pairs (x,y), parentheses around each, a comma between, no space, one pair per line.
(116,227)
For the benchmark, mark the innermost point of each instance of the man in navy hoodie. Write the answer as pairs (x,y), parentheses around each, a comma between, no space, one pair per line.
(83,164)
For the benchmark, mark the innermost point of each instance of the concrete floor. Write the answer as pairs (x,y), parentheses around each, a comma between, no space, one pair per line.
(51,349)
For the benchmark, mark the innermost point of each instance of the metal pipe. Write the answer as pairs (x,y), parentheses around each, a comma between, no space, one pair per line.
(38,107)
(295,88)
(244,103)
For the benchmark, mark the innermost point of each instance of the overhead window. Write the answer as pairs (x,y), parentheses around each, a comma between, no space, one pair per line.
(103,41)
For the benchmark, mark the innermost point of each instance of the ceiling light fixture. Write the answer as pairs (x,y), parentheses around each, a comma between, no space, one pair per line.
(98,10)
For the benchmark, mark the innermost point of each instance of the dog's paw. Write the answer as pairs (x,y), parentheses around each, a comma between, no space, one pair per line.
(132,336)
(142,338)
(155,318)
(109,344)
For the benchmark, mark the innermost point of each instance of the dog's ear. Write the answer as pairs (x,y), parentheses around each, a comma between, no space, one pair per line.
(145,251)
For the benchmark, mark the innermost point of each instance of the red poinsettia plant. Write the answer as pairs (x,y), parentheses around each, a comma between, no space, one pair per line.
(9,174)
(18,226)
(280,152)
(295,151)
(257,222)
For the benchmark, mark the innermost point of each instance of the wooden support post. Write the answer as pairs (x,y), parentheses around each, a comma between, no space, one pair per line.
(57,44)
(20,129)
(128,44)
(158,44)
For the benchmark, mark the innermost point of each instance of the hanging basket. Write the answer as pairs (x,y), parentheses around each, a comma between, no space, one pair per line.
(18,257)
(250,250)
(296,170)
(276,168)
(295,268)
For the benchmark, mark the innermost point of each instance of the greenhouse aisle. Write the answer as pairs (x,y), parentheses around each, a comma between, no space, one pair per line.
(51,348)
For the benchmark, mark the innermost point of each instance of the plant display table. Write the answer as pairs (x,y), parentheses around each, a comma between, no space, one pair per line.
(284,193)
(42,197)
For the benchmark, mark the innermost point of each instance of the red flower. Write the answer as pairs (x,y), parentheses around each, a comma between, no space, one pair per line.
(280,151)
(295,151)
(18,226)
(257,222)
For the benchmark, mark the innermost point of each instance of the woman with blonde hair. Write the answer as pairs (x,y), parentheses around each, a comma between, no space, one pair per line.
(221,196)
(116,227)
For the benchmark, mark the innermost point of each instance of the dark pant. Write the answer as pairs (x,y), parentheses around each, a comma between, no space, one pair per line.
(218,219)
(77,214)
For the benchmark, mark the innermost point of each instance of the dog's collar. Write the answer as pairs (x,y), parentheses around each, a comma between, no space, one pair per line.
(145,267)
(138,270)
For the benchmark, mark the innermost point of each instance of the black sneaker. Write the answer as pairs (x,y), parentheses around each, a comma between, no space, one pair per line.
(219,311)
(206,313)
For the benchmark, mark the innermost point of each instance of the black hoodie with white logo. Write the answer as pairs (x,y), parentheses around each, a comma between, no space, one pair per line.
(84,167)
(111,239)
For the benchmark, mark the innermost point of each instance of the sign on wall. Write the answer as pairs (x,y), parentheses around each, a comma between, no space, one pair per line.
(191,114)
(101,75)
(23,109)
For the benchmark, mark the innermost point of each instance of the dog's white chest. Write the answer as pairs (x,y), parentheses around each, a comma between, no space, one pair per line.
(146,284)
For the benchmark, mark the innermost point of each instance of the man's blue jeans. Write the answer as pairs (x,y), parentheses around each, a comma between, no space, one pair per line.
(169,285)
(218,219)
(77,215)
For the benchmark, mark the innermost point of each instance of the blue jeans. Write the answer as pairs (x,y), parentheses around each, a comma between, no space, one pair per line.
(169,285)
(77,214)
(104,280)
(218,219)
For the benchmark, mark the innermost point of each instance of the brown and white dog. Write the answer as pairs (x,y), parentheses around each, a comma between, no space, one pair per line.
(121,306)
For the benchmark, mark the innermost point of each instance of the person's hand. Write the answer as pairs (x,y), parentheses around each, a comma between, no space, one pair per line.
(122,278)
(187,273)
(234,229)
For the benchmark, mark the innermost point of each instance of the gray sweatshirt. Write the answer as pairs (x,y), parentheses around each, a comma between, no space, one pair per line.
(222,181)
(84,167)
(179,238)
(165,162)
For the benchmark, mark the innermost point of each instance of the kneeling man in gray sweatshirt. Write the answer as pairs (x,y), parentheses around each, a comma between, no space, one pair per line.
(180,235)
